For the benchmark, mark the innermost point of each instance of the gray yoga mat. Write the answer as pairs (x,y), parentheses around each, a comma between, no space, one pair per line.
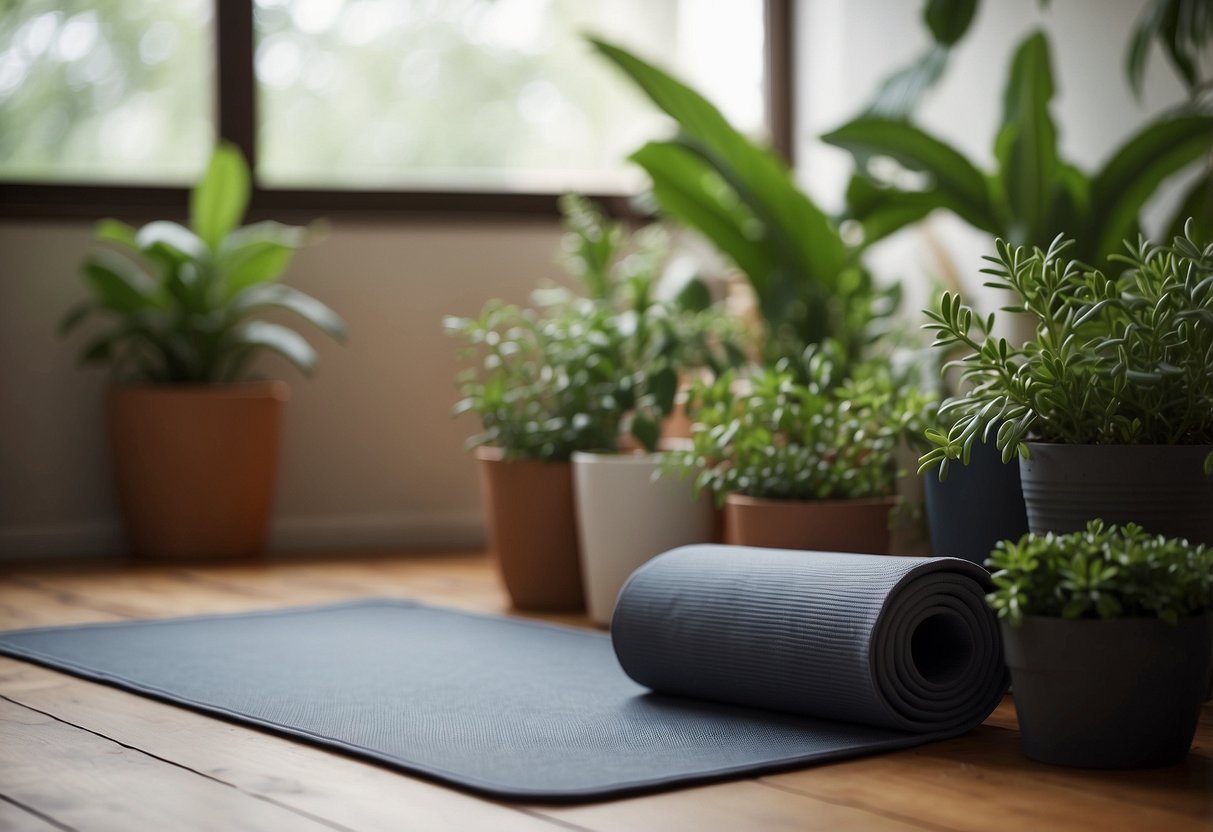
(725,661)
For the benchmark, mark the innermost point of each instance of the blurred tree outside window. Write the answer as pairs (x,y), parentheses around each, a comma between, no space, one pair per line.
(428,95)
(105,91)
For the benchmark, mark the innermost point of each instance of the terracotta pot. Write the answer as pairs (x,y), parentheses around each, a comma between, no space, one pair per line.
(532,529)
(816,525)
(194,466)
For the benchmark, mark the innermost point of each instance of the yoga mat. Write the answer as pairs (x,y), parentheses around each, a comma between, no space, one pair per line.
(725,661)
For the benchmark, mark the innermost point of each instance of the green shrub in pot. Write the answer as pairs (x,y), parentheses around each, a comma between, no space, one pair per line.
(180,312)
(1110,404)
(1109,635)
(802,464)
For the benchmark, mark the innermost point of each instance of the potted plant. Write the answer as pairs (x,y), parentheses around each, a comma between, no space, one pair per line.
(1110,404)
(193,437)
(1109,635)
(801,464)
(626,515)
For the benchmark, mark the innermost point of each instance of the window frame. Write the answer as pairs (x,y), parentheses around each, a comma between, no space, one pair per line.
(236,121)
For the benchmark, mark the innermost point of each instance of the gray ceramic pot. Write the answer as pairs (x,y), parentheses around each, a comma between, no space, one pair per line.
(1109,694)
(1162,488)
(978,505)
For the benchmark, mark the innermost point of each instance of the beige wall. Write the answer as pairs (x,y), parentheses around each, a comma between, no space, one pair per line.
(372,457)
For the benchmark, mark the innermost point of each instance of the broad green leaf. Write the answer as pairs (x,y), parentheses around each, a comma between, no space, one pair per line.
(880,211)
(254,264)
(290,236)
(254,335)
(681,186)
(219,201)
(948,20)
(114,231)
(119,284)
(646,431)
(900,93)
(799,233)
(1128,180)
(694,296)
(170,241)
(960,186)
(1026,147)
(277,296)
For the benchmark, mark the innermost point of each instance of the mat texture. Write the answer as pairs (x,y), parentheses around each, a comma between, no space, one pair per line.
(761,659)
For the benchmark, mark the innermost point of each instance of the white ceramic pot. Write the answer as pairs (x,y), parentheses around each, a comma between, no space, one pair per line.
(625,518)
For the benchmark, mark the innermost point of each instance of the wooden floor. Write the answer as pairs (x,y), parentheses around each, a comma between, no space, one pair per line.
(79,755)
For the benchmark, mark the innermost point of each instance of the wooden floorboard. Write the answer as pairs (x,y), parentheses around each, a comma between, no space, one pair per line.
(80,755)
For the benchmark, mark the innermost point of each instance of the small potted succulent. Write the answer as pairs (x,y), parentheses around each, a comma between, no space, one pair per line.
(1110,405)
(194,438)
(802,461)
(1109,636)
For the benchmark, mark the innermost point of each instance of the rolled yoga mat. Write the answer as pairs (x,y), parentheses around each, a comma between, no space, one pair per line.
(734,662)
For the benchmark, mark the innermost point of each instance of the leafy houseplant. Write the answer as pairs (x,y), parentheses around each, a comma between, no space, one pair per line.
(742,198)
(801,465)
(579,374)
(1109,636)
(1034,194)
(1113,397)
(194,443)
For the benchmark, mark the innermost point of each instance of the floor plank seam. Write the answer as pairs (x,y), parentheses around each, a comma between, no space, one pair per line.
(75,599)
(849,804)
(42,816)
(539,814)
(265,798)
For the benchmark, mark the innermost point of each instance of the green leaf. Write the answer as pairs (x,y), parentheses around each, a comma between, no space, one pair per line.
(277,296)
(664,386)
(1026,147)
(900,93)
(119,284)
(948,20)
(254,335)
(1128,180)
(114,231)
(1197,205)
(219,201)
(959,185)
(646,431)
(694,296)
(171,242)
(881,211)
(257,253)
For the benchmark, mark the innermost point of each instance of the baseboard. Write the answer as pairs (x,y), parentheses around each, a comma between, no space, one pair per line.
(405,531)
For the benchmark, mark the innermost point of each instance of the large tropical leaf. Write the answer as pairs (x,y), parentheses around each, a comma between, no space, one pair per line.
(1196,205)
(219,201)
(250,336)
(277,296)
(1026,147)
(805,242)
(1134,172)
(692,192)
(1183,28)
(170,242)
(882,210)
(118,283)
(956,182)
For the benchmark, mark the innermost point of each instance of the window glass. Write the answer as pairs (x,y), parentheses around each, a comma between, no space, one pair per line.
(105,90)
(484,94)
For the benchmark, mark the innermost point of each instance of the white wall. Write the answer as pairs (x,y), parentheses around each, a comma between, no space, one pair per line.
(371,455)
(371,458)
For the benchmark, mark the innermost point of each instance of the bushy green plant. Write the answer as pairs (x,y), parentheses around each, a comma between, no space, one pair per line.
(1102,572)
(1033,194)
(773,436)
(184,304)
(543,386)
(1123,360)
(744,200)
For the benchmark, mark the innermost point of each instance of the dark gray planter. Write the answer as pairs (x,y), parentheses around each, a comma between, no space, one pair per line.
(1162,488)
(1109,694)
(980,504)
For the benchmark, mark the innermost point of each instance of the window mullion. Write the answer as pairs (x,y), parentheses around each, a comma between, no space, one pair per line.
(236,85)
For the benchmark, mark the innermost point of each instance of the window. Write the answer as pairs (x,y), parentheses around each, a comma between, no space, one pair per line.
(359,105)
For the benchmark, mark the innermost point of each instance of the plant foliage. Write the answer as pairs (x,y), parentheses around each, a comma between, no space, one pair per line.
(1122,360)
(742,197)
(1102,572)
(1033,194)
(184,304)
(773,436)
